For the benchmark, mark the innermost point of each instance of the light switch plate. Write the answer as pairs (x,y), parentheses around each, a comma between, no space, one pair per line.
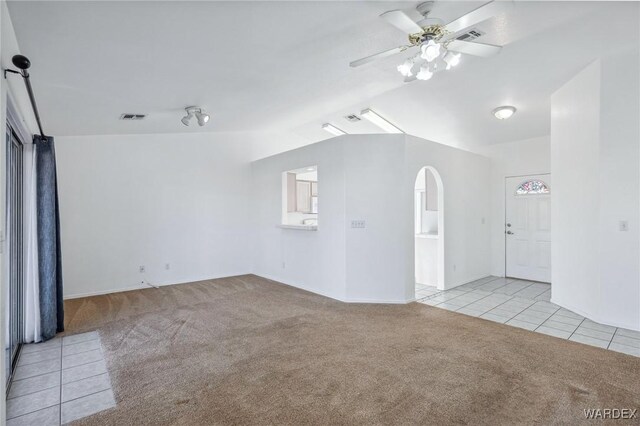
(358,223)
(624,225)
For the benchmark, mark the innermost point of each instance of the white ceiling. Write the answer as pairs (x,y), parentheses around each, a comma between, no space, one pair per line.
(283,66)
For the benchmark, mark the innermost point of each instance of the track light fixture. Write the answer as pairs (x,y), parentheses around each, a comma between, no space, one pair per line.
(192,111)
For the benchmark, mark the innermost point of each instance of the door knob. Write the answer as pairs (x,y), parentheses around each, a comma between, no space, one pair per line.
(509,225)
(509,232)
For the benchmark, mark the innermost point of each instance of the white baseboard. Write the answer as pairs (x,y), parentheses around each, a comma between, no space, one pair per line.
(143,286)
(383,302)
(467,281)
(103,292)
(301,287)
(340,299)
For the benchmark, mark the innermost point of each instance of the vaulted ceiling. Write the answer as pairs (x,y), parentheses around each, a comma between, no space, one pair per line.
(284,66)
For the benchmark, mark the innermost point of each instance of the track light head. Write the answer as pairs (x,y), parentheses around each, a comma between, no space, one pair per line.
(202,117)
(187,118)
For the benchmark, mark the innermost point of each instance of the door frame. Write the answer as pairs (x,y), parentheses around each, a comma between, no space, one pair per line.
(504,224)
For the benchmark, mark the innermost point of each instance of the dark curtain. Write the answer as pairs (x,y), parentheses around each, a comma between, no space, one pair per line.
(49,256)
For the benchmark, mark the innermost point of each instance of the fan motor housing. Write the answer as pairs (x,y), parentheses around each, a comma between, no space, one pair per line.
(433,32)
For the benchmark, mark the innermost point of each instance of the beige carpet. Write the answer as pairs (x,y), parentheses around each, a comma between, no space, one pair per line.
(246,350)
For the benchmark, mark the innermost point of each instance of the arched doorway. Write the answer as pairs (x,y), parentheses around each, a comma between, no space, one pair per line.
(428,232)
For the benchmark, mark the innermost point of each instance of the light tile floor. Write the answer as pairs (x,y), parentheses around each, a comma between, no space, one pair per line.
(59,381)
(527,305)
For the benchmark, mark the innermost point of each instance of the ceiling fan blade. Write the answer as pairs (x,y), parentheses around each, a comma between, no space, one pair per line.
(478,15)
(475,49)
(401,20)
(377,56)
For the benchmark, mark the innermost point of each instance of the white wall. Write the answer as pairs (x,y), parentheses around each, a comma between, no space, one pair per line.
(127,201)
(519,158)
(312,260)
(465,233)
(619,252)
(594,162)
(376,192)
(371,178)
(575,121)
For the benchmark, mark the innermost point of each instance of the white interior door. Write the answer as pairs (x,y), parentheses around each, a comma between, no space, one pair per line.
(528,227)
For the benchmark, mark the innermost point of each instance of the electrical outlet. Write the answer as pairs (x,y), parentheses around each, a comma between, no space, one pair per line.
(358,223)
(624,225)
(482,221)
(284,265)
(167,266)
(142,269)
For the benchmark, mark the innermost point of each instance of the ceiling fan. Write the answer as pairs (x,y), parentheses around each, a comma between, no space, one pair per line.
(440,45)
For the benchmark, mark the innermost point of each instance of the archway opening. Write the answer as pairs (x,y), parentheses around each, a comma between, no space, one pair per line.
(428,232)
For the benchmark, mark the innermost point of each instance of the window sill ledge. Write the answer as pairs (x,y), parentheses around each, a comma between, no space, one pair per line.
(426,235)
(299,227)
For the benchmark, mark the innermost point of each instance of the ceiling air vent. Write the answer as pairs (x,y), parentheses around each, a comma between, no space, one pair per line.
(132,116)
(352,118)
(471,35)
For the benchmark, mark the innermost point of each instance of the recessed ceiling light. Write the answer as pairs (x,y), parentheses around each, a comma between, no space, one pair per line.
(504,112)
(310,169)
(333,129)
(379,121)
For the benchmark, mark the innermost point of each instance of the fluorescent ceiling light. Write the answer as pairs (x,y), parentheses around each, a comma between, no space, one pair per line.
(333,129)
(379,121)
(504,112)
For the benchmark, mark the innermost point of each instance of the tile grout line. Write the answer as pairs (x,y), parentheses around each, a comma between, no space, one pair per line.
(612,336)
(60,400)
(88,377)
(89,394)
(31,412)
(469,302)
(574,331)
(80,365)
(55,371)
(515,314)
(35,362)
(81,352)
(552,314)
(523,288)
(460,289)
(31,393)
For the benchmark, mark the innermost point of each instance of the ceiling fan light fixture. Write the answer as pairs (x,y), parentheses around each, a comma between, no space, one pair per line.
(425,73)
(452,59)
(430,51)
(504,112)
(333,129)
(379,121)
(405,68)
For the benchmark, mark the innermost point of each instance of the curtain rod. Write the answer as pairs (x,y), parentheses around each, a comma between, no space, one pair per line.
(23,63)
